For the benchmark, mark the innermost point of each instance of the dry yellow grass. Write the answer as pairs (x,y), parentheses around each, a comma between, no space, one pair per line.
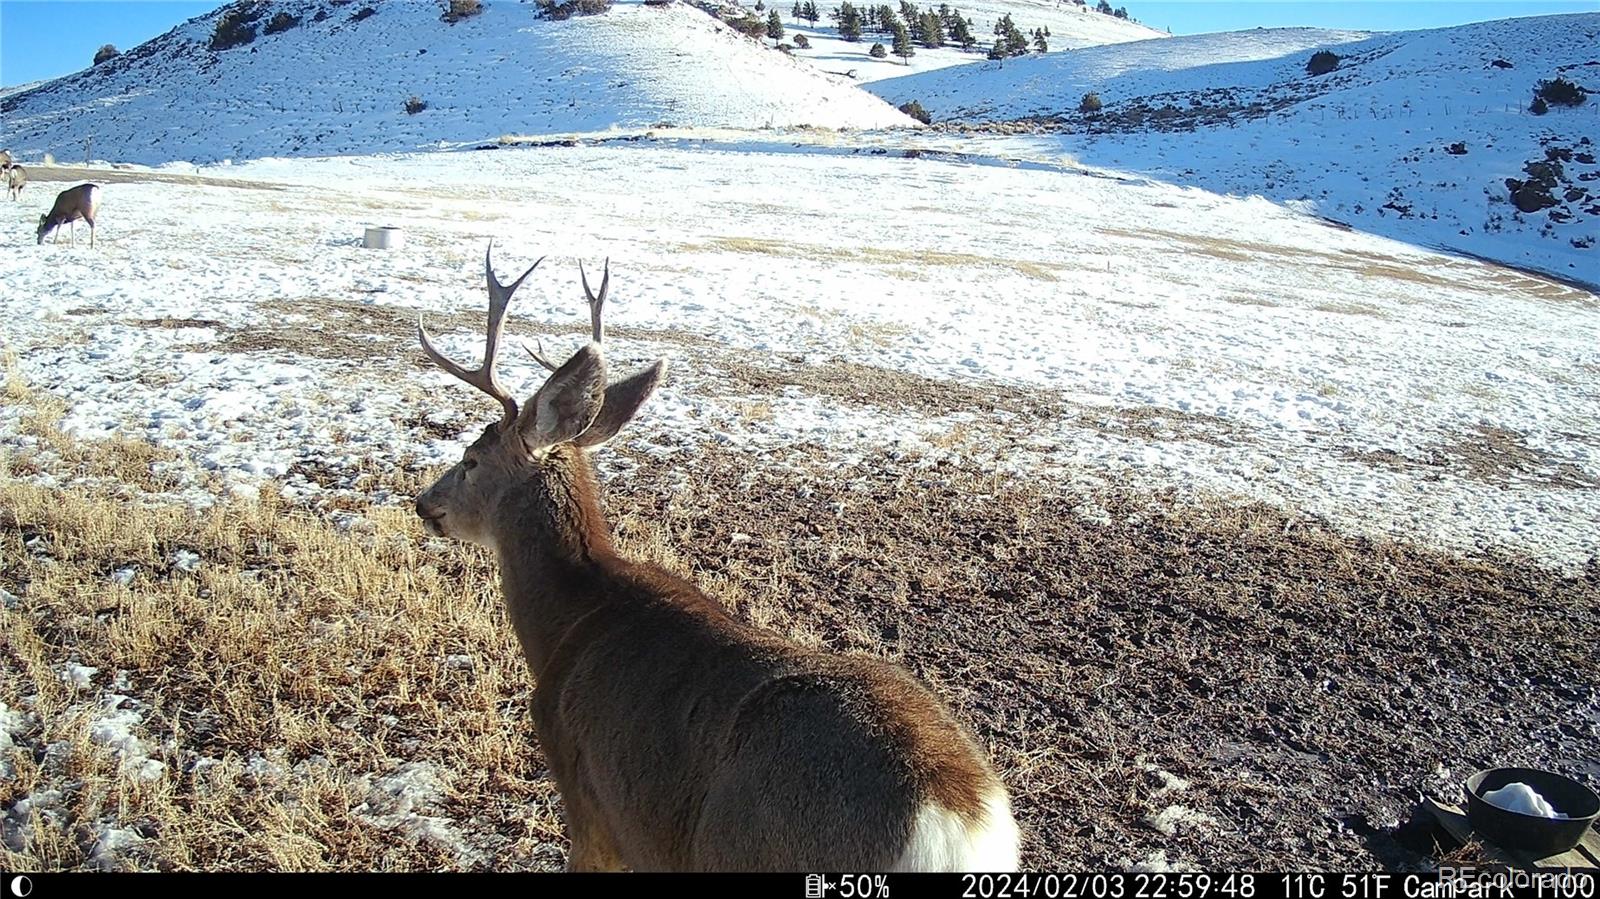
(297,664)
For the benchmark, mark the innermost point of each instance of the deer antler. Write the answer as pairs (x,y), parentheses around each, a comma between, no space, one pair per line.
(596,303)
(483,377)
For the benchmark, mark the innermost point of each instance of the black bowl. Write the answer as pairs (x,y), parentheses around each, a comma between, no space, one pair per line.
(1530,833)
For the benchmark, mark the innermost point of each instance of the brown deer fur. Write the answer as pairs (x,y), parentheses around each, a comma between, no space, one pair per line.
(81,202)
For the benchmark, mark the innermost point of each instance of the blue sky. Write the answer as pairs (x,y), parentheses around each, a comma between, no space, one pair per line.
(48,38)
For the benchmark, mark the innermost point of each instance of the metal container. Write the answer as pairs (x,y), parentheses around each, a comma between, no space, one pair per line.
(1533,834)
(386,237)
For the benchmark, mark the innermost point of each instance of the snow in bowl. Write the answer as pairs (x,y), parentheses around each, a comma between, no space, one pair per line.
(1574,808)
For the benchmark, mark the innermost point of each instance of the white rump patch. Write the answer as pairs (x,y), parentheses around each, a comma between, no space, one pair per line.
(941,841)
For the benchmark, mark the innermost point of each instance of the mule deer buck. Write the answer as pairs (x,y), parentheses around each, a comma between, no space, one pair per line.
(72,204)
(679,736)
(16,177)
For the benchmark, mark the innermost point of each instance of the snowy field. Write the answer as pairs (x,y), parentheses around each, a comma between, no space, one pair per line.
(1039,322)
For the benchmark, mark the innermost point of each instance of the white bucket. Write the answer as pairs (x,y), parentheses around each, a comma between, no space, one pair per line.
(387,237)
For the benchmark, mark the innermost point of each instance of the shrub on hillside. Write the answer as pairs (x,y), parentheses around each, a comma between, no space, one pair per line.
(1560,92)
(1089,103)
(561,11)
(365,12)
(1538,106)
(415,105)
(878,51)
(915,110)
(109,51)
(1322,62)
(802,42)
(456,10)
(281,22)
(235,27)
(750,26)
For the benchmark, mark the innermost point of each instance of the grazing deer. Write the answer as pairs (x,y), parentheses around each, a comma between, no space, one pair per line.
(71,204)
(16,177)
(679,736)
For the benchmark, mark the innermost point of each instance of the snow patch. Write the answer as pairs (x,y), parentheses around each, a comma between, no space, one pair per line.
(1157,862)
(114,729)
(1175,818)
(402,800)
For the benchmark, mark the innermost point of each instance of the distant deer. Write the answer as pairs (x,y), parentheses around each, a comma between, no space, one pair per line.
(72,204)
(5,160)
(679,736)
(16,177)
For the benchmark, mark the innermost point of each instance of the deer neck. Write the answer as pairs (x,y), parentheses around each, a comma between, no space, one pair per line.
(553,545)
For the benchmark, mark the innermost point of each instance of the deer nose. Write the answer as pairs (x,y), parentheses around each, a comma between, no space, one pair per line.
(426,513)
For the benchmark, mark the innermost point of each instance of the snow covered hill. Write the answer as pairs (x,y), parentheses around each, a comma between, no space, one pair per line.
(1070,26)
(1054,82)
(340,84)
(1414,136)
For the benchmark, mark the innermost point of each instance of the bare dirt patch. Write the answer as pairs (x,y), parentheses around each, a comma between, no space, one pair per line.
(1154,423)
(101,175)
(855,384)
(323,328)
(1039,271)
(1305,683)
(1490,455)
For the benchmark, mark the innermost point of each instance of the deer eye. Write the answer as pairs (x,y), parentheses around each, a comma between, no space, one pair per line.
(469,464)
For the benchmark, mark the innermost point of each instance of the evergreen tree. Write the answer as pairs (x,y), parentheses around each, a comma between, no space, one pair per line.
(761,6)
(932,31)
(877,52)
(810,14)
(849,19)
(1039,42)
(1012,38)
(902,43)
(796,13)
(998,51)
(1121,13)
(886,19)
(1103,7)
(774,26)
(961,33)
(908,13)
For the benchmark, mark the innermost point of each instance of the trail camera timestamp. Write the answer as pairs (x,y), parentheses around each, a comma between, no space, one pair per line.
(1108,886)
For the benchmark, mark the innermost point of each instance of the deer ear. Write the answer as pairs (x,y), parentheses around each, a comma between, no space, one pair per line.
(623,400)
(568,402)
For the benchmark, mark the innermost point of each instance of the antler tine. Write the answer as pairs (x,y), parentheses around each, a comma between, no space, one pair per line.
(539,356)
(499,299)
(483,377)
(596,302)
